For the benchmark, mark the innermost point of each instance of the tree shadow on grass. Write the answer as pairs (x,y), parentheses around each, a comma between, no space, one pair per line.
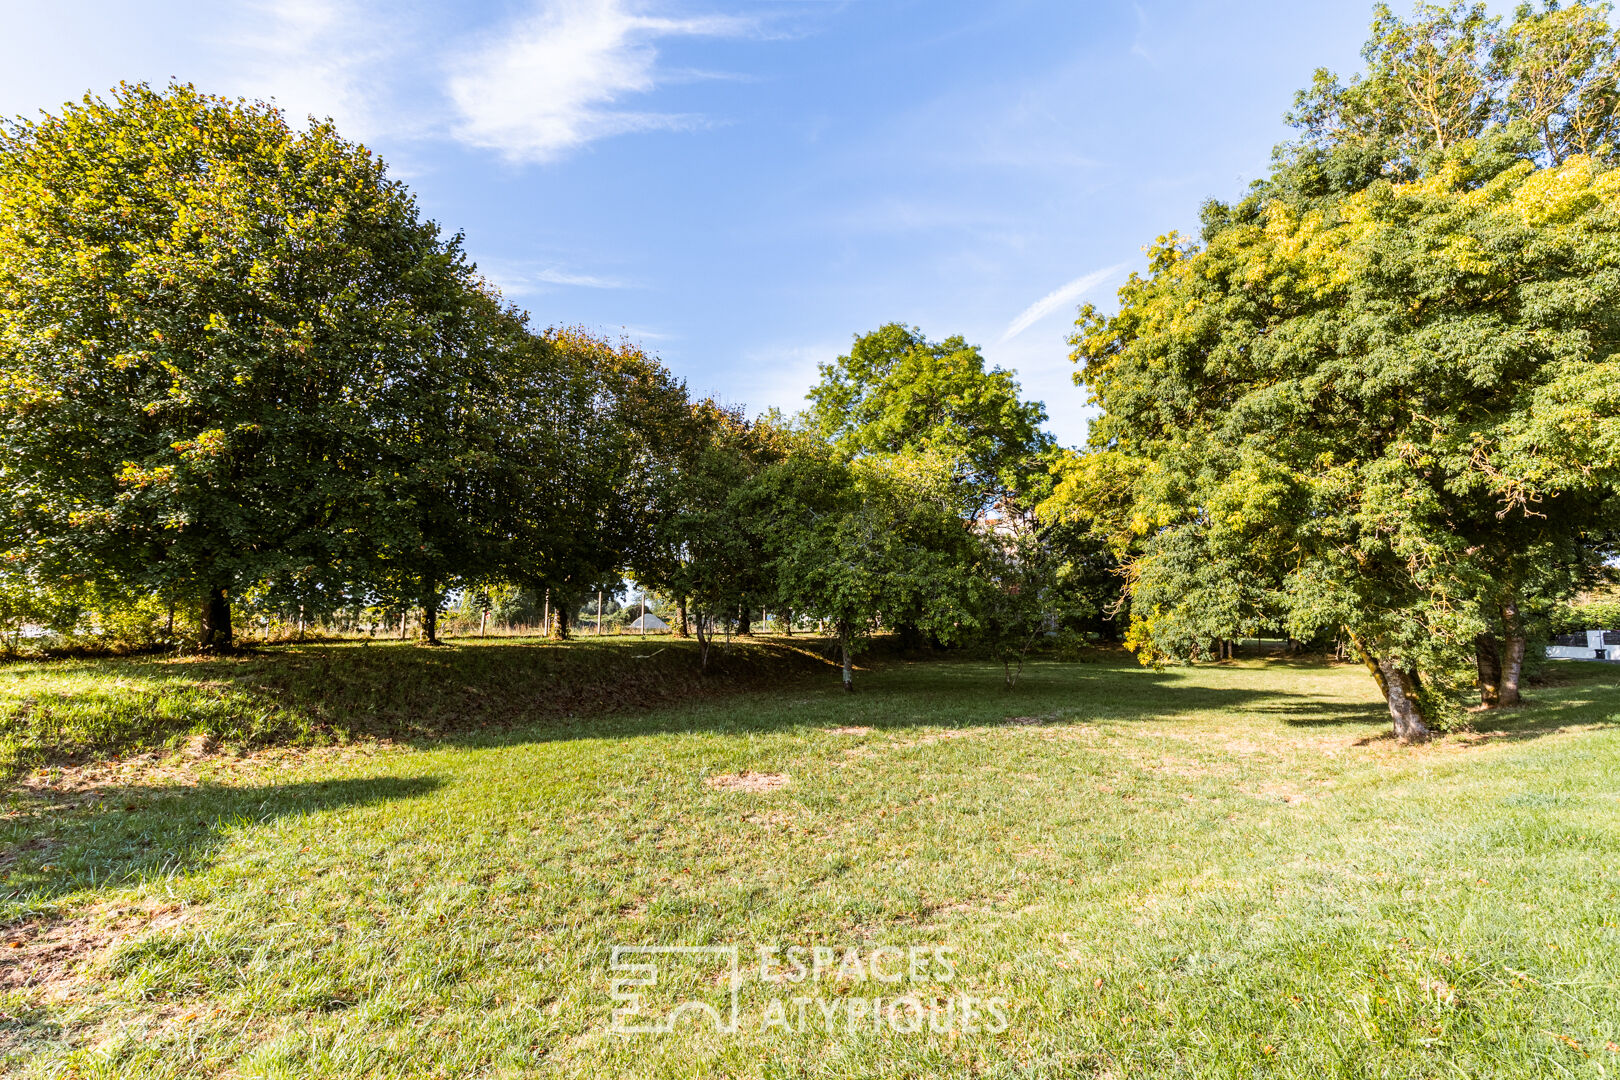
(1307,712)
(1574,696)
(497,693)
(948,694)
(55,843)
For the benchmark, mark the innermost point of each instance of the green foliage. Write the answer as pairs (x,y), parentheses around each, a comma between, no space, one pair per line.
(1392,413)
(1562,73)
(896,392)
(216,333)
(1546,86)
(1428,85)
(878,542)
(1599,611)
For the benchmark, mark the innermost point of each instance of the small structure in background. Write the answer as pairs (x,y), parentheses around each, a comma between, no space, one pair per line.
(1586,645)
(648,623)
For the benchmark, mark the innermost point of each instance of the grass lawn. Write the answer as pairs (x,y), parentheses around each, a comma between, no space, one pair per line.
(1217,871)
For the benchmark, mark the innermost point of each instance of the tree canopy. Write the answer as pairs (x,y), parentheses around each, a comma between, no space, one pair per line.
(1383,411)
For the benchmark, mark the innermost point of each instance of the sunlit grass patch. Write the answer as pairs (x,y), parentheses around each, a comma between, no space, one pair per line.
(1211,871)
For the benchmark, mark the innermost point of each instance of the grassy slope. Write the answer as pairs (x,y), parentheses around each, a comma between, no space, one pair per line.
(320,694)
(1208,872)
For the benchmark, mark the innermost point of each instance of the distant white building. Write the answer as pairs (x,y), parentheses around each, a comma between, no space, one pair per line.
(1586,645)
(648,622)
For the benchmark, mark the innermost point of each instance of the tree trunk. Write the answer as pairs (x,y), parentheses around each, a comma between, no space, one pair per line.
(1513,658)
(430,614)
(1512,667)
(1400,693)
(789,623)
(215,635)
(1488,661)
(545,617)
(685,630)
(483,623)
(1399,686)
(745,621)
(849,667)
(704,634)
(562,622)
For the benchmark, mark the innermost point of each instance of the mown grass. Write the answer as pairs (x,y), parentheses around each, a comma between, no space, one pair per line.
(1217,871)
(321,694)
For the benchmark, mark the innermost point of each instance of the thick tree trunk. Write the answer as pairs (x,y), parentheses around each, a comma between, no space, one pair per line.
(215,632)
(789,623)
(1400,687)
(1488,661)
(562,622)
(849,667)
(681,605)
(745,621)
(1512,668)
(430,615)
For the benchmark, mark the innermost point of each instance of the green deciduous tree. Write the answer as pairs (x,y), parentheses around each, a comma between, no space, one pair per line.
(896,392)
(1429,84)
(201,312)
(1562,78)
(881,541)
(1386,412)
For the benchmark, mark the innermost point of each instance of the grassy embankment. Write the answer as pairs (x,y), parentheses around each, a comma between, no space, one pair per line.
(1218,871)
(321,694)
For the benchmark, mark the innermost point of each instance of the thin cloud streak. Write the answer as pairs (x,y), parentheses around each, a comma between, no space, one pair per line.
(1058,297)
(526,279)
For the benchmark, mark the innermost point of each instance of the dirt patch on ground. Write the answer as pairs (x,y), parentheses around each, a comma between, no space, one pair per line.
(849,731)
(64,787)
(48,957)
(748,781)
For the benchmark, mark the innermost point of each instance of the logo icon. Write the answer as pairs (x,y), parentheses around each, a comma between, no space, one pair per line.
(658,985)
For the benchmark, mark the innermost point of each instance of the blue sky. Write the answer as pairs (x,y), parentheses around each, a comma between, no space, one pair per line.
(743,185)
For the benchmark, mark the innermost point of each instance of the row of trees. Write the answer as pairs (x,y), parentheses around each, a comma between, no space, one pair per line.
(235,361)
(1380,393)
(233,356)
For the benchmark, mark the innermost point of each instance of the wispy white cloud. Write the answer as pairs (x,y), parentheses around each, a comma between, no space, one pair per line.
(561,77)
(527,279)
(319,58)
(1065,294)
